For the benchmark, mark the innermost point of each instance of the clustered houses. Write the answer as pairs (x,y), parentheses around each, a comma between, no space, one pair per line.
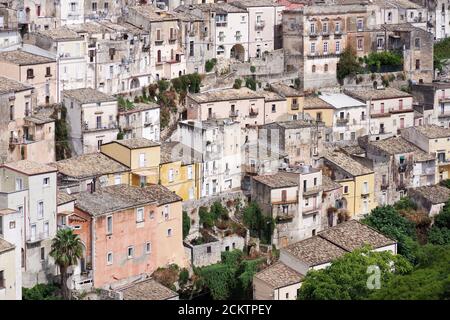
(81,145)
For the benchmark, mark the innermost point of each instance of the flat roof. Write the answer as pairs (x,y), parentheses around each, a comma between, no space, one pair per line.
(136,143)
(340,100)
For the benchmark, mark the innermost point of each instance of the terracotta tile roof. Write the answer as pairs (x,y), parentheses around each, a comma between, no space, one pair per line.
(23,58)
(153,14)
(328,184)
(279,275)
(225,95)
(88,95)
(435,194)
(6,211)
(271,96)
(30,167)
(137,143)
(221,8)
(255,3)
(120,197)
(171,151)
(353,235)
(313,102)
(138,107)
(147,290)
(9,85)
(375,94)
(278,180)
(60,34)
(90,165)
(296,124)
(433,131)
(347,163)
(397,145)
(5,246)
(285,90)
(63,197)
(315,251)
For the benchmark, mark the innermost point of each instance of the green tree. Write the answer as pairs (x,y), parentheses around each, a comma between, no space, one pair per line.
(41,291)
(439,233)
(348,64)
(347,277)
(388,221)
(66,250)
(250,83)
(186,224)
(258,224)
(237,83)
(430,280)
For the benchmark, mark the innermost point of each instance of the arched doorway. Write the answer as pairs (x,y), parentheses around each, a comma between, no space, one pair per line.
(134,83)
(237,52)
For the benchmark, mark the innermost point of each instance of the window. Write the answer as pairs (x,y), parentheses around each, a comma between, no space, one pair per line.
(166,212)
(142,160)
(106,6)
(274,108)
(148,248)
(94,6)
(139,214)
(325,68)
(48,72)
(417,43)
(46,181)
(417,64)
(158,58)
(117,179)
(2,279)
(313,69)
(130,252)
(380,43)
(314,217)
(313,48)
(40,210)
(389,16)
(325,27)
(11,113)
(169,232)
(170,175)
(360,44)
(1,225)
(366,187)
(99,144)
(313,232)
(208,249)
(360,25)
(315,181)
(19,184)
(345,189)
(109,258)
(46,229)
(312,28)
(30,74)
(189,172)
(304,185)
(337,27)
(33,231)
(338,47)
(353,136)
(191,48)
(325,48)
(109,225)
(42,254)
(12,225)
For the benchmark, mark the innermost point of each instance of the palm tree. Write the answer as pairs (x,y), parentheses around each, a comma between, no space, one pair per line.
(66,250)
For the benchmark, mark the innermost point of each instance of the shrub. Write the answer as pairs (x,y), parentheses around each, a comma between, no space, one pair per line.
(186,224)
(250,83)
(183,277)
(252,69)
(237,84)
(210,64)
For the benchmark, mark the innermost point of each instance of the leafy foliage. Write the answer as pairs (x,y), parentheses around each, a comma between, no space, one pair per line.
(388,221)
(120,135)
(62,148)
(209,64)
(237,83)
(441,53)
(250,83)
(186,224)
(405,203)
(41,291)
(66,250)
(429,280)
(347,277)
(259,225)
(230,279)
(348,64)
(440,231)
(375,60)
(183,277)
(209,218)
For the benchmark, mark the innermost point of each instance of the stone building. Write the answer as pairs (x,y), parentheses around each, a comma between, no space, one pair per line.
(433,101)
(432,199)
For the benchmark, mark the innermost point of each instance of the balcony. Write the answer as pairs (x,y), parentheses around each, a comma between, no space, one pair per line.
(401,110)
(253,113)
(365,193)
(233,114)
(311,191)
(146,48)
(384,185)
(284,217)
(342,121)
(313,34)
(295,106)
(159,42)
(37,237)
(402,167)
(444,99)
(311,209)
(100,126)
(221,23)
(259,25)
(211,116)
(442,115)
(173,38)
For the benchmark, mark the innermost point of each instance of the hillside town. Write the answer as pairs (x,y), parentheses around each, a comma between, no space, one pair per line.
(218,150)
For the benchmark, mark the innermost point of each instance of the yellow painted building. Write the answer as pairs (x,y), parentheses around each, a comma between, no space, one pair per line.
(357,180)
(294,98)
(178,176)
(141,155)
(319,110)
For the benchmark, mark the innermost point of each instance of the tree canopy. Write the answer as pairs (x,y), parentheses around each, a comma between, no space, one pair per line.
(347,278)
(348,64)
